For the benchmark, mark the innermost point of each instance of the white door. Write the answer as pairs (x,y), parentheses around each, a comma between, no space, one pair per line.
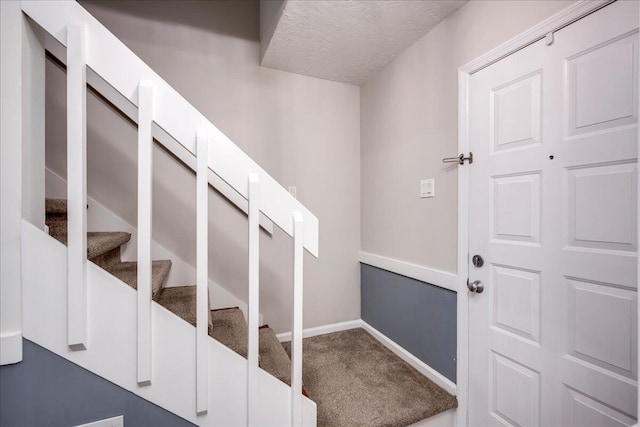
(553,213)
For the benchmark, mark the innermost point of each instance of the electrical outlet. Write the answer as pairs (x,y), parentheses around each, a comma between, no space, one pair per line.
(427,188)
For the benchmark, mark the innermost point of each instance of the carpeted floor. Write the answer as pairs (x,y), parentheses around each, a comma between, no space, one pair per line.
(356,381)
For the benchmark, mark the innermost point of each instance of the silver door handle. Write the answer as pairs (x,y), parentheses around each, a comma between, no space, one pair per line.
(476,286)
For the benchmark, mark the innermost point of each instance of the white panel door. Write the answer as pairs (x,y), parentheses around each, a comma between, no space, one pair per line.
(553,188)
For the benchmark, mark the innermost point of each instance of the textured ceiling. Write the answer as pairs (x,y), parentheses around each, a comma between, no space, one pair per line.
(348,40)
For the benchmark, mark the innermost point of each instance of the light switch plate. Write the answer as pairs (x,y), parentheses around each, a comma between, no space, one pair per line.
(427,188)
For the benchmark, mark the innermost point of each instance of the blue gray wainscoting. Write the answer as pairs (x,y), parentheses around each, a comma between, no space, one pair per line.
(418,316)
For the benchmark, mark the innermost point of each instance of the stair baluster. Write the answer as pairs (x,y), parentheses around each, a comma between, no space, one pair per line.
(145,189)
(202,271)
(296,329)
(77,186)
(253,303)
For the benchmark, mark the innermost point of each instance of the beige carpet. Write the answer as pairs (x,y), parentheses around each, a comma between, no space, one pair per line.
(356,381)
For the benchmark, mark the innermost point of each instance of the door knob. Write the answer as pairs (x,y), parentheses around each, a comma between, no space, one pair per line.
(476,286)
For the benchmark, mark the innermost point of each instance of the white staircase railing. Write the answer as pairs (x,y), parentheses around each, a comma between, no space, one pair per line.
(95,56)
(145,192)
(202,271)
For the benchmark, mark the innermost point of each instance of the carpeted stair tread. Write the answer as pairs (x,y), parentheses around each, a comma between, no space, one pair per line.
(128,273)
(181,301)
(230,328)
(55,206)
(273,357)
(356,381)
(100,242)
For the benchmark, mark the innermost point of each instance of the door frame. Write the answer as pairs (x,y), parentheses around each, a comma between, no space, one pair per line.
(554,23)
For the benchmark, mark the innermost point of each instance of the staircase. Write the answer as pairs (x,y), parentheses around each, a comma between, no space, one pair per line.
(118,319)
(226,325)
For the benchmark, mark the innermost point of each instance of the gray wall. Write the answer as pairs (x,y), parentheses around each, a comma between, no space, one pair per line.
(47,390)
(418,316)
(409,113)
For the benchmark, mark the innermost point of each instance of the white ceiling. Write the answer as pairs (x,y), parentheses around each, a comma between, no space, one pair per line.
(348,40)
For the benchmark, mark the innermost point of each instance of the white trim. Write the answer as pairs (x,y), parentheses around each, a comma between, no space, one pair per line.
(428,275)
(202,272)
(11,113)
(462,366)
(108,422)
(443,419)
(296,327)
(10,348)
(253,301)
(638,266)
(77,327)
(321,330)
(145,227)
(426,370)
(563,18)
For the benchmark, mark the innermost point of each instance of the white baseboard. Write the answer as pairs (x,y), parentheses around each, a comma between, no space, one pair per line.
(443,419)
(321,330)
(109,422)
(428,275)
(417,364)
(412,360)
(10,348)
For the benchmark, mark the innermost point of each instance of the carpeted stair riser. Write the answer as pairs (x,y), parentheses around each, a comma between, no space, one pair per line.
(56,218)
(181,301)
(128,273)
(230,328)
(55,206)
(109,259)
(57,224)
(273,357)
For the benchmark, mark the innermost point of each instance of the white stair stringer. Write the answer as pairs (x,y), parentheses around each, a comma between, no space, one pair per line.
(111,351)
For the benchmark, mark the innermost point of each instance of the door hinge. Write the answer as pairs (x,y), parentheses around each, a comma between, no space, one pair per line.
(459,160)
